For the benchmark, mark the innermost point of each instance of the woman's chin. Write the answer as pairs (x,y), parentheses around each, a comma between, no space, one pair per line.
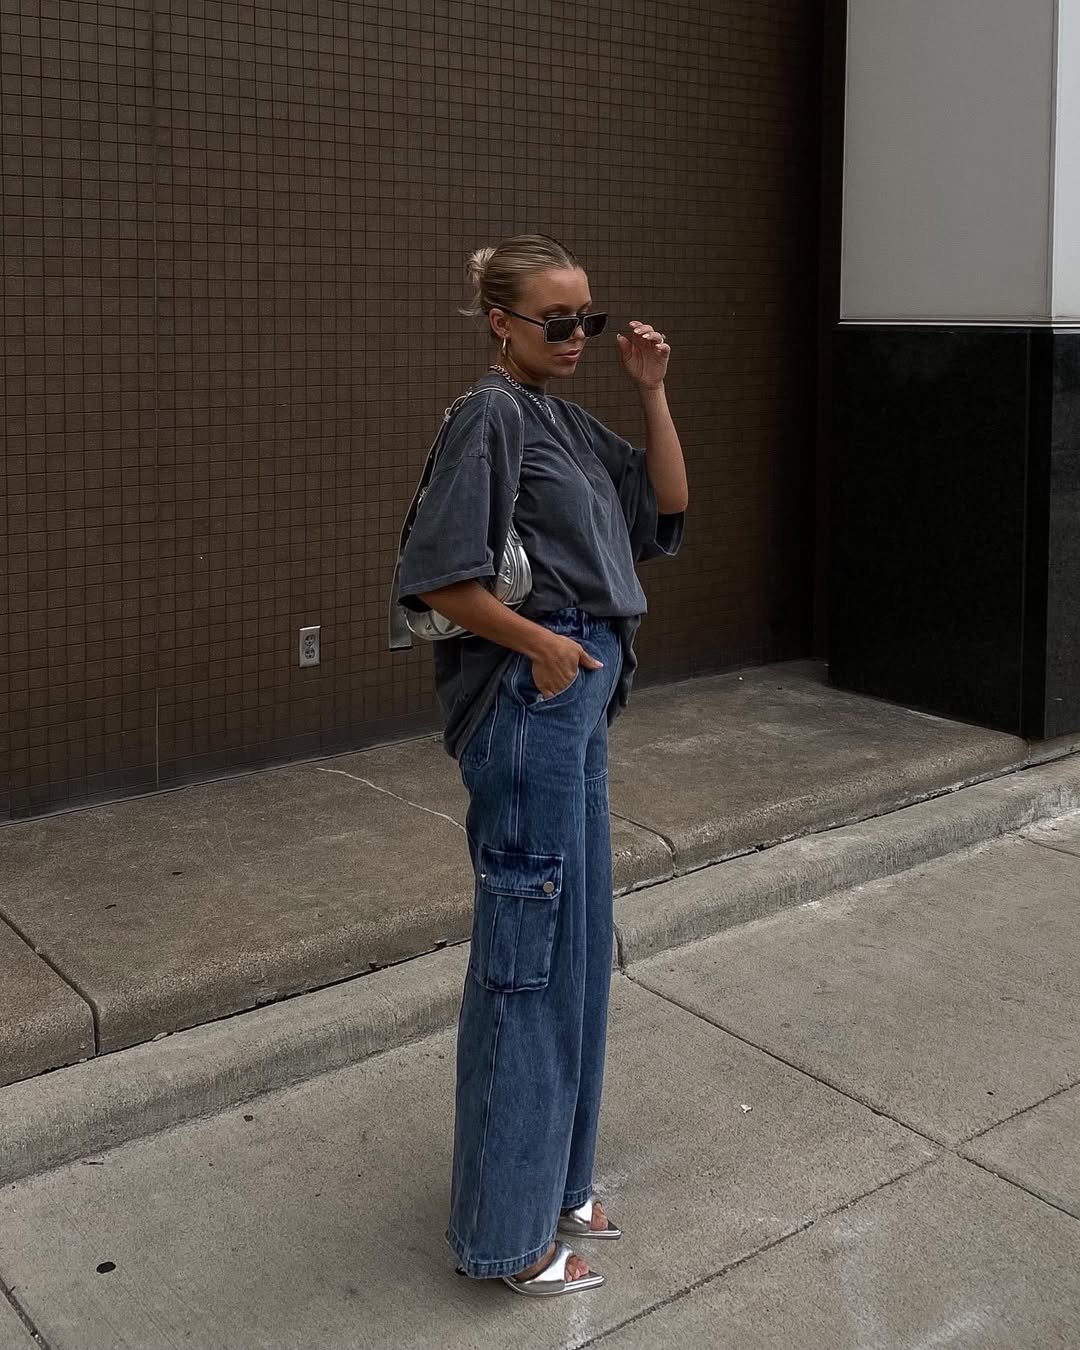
(562,367)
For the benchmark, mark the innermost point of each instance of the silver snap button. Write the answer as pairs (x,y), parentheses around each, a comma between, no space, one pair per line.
(549,886)
(483,876)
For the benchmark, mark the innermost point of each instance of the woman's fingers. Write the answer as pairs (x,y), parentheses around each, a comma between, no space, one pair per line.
(647,333)
(645,338)
(589,661)
(644,353)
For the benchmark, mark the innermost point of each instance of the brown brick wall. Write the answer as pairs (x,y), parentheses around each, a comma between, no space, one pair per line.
(232,247)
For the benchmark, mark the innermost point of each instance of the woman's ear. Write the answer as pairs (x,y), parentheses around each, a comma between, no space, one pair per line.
(498,323)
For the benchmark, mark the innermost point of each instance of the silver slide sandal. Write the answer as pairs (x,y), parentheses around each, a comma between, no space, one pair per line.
(578,1223)
(552,1279)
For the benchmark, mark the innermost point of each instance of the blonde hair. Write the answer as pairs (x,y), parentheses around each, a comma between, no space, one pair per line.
(496,274)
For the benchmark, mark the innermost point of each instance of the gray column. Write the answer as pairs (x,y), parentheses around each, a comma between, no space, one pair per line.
(955,536)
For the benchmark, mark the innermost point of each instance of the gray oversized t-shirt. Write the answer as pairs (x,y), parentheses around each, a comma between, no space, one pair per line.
(586,513)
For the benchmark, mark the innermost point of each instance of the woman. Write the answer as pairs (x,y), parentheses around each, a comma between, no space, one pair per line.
(528,696)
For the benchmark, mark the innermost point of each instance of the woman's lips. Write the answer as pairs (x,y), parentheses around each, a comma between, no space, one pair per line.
(568,356)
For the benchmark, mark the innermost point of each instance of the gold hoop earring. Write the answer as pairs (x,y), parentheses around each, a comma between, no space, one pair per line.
(504,344)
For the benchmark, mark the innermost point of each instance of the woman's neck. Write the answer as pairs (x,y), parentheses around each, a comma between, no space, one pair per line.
(512,369)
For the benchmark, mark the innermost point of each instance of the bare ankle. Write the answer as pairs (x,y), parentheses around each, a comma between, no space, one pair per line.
(537,1266)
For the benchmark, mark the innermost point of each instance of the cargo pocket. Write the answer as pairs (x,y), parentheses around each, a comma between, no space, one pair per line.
(517,903)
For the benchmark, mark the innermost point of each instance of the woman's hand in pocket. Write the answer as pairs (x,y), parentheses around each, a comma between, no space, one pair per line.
(556,665)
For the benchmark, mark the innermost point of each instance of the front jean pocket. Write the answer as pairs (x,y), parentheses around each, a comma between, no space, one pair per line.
(517,904)
(526,692)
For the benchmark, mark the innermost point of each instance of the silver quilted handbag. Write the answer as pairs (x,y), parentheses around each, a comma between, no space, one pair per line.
(511,584)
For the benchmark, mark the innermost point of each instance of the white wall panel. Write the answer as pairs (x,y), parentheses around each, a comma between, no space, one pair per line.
(947,160)
(1066,307)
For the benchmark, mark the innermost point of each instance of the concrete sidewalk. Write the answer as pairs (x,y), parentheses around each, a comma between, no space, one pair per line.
(852,1125)
(127,921)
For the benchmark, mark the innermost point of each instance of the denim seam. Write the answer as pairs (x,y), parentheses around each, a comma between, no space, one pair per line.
(574,1199)
(514,984)
(519,770)
(487,1111)
(490,945)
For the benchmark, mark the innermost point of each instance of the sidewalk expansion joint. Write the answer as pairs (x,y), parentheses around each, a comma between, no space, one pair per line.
(23,1316)
(956,1150)
(669,844)
(997,1170)
(1012,1181)
(60,975)
(397,796)
(1053,848)
(747,1257)
(797,1068)
(1021,1111)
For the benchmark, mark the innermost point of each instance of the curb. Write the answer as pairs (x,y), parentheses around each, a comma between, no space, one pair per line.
(74,1112)
(701,904)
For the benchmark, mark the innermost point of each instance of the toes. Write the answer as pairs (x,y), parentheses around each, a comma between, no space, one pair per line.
(599,1219)
(576,1268)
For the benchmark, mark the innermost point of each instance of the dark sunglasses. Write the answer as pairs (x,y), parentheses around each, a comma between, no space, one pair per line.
(563,327)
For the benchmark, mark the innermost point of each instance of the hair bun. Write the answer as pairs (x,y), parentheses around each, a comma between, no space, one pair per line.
(496,275)
(476,266)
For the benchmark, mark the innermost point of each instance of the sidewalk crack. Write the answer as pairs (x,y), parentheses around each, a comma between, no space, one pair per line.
(23,1316)
(397,796)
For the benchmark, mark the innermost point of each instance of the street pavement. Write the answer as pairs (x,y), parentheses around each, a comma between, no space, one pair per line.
(854,1123)
(138,918)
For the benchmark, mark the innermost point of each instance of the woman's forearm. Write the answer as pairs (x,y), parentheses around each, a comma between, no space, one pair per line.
(663,452)
(473,607)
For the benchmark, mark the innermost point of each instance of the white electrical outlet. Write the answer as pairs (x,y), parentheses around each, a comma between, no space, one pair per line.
(309,646)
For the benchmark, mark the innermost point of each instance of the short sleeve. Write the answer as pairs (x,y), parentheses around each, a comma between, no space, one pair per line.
(462,522)
(653,533)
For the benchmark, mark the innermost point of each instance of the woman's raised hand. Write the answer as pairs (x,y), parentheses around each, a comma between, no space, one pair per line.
(645,354)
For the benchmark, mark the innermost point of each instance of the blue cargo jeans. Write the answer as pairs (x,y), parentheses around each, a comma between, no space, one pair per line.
(533,1022)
